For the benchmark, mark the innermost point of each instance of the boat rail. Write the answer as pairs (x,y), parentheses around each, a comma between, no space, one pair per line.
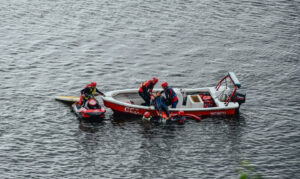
(234,80)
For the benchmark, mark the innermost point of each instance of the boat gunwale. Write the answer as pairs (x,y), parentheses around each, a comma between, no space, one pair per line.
(109,96)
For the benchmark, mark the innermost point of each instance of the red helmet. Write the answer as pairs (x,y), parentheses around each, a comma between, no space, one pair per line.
(155,80)
(164,84)
(93,84)
(181,113)
(147,114)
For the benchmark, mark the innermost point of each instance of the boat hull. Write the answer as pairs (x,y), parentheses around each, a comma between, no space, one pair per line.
(129,108)
(88,114)
(140,111)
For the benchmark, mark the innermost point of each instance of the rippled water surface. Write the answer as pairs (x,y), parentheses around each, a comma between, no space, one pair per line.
(51,48)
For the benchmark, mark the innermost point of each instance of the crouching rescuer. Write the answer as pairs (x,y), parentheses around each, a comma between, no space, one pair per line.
(171,97)
(89,91)
(145,90)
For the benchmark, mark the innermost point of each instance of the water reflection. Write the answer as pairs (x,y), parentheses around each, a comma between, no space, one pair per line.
(120,119)
(229,134)
(90,127)
(89,139)
(160,144)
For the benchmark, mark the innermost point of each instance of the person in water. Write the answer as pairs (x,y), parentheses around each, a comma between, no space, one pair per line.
(179,118)
(89,91)
(147,117)
(145,90)
(171,97)
(159,103)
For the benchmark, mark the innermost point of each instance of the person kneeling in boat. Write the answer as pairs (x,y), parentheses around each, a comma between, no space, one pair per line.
(159,103)
(89,91)
(145,90)
(171,97)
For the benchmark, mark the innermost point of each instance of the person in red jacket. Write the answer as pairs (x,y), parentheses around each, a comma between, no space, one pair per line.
(145,90)
(171,97)
(89,91)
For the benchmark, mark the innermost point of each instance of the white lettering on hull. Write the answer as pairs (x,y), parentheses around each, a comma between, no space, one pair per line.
(219,113)
(131,110)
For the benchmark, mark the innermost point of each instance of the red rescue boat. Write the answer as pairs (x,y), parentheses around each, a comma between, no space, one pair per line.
(223,99)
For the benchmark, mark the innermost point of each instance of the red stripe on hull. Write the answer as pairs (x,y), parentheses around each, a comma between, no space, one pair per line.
(138,111)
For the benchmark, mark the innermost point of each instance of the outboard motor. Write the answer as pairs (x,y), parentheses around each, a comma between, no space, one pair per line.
(239,97)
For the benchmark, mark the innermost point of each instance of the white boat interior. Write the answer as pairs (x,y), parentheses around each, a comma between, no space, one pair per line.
(187,98)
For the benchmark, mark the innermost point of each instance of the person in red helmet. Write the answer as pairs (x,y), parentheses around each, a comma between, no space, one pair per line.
(147,117)
(171,97)
(179,118)
(145,90)
(89,91)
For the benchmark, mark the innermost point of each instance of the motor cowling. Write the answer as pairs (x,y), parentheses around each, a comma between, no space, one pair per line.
(239,97)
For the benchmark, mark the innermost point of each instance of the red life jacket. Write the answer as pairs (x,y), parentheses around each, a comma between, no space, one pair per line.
(170,93)
(173,95)
(146,85)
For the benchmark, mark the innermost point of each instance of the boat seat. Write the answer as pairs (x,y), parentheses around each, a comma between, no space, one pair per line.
(194,101)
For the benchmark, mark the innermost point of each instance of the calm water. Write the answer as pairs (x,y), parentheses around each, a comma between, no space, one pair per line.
(51,48)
